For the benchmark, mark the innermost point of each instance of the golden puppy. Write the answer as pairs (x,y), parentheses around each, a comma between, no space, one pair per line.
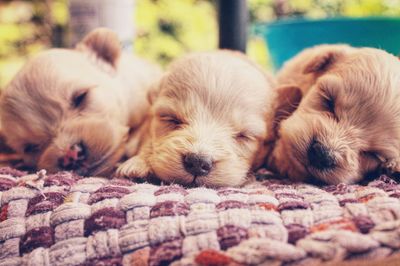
(72,109)
(337,115)
(207,124)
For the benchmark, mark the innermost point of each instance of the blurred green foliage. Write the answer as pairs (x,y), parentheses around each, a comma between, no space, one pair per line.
(27,27)
(168,29)
(164,29)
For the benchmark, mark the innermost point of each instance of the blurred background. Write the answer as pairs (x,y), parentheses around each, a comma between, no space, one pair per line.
(162,30)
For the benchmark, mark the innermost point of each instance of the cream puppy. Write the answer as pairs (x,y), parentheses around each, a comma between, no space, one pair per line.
(207,124)
(72,109)
(337,115)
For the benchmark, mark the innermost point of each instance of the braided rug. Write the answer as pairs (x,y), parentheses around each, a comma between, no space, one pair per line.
(64,219)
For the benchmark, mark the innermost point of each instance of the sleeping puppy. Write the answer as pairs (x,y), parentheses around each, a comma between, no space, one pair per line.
(337,114)
(72,109)
(207,124)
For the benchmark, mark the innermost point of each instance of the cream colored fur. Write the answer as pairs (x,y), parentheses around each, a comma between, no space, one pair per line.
(363,129)
(212,103)
(37,107)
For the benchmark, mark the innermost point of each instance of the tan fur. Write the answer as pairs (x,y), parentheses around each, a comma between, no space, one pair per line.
(217,96)
(37,107)
(363,133)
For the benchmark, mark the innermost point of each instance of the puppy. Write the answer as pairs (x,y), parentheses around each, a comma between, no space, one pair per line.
(207,124)
(72,109)
(337,114)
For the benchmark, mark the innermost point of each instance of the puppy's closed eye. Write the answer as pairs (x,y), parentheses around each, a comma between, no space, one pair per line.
(79,98)
(371,154)
(244,137)
(171,120)
(328,105)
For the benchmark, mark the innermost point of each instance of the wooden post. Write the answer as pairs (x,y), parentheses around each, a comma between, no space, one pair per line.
(117,15)
(233,17)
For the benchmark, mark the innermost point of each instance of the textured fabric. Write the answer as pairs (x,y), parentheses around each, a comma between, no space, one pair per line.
(64,219)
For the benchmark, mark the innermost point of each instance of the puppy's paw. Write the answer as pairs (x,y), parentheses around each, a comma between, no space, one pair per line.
(134,168)
(392,165)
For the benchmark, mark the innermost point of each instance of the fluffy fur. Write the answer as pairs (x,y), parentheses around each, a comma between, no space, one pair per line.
(211,104)
(347,100)
(93,96)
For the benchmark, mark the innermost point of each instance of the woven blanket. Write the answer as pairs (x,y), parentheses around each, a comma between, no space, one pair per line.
(64,219)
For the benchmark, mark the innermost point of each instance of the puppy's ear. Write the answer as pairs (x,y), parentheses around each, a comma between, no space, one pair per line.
(153,93)
(154,90)
(262,153)
(287,100)
(323,61)
(104,43)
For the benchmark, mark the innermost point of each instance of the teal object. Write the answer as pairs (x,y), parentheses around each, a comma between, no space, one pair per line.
(285,38)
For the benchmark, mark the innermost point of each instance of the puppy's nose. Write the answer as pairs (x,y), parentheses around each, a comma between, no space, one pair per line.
(320,156)
(74,157)
(197,164)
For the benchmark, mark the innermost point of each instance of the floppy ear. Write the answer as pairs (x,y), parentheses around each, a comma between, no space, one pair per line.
(104,43)
(153,93)
(262,152)
(323,61)
(155,89)
(287,100)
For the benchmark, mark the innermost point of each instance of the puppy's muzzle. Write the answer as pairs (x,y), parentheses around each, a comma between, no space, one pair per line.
(197,164)
(74,157)
(320,157)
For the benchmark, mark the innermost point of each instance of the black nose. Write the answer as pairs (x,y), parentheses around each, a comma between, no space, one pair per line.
(197,164)
(74,157)
(320,157)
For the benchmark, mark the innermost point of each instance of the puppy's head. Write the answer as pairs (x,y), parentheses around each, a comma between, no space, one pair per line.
(343,121)
(208,120)
(61,110)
